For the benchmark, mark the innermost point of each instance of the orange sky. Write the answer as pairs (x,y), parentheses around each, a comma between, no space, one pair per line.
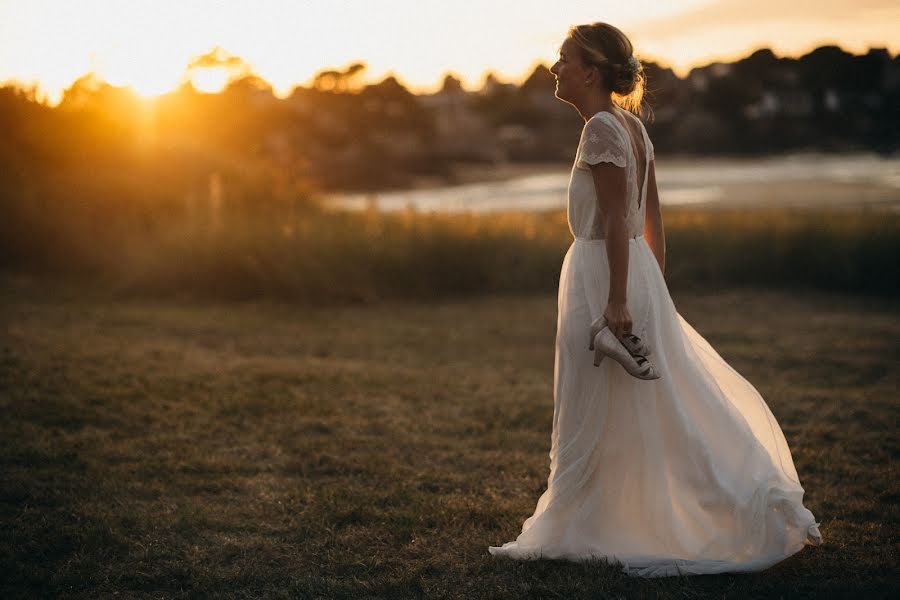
(147,44)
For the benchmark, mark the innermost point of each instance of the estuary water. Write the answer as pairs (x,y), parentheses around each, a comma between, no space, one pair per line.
(797,180)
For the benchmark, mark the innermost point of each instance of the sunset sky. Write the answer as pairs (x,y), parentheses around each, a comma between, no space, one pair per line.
(148,43)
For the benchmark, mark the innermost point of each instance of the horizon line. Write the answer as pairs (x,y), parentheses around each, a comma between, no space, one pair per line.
(43,95)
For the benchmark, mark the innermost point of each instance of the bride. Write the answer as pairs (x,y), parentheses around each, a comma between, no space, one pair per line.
(664,460)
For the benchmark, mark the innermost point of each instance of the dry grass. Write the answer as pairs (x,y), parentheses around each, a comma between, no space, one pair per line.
(183,449)
(312,256)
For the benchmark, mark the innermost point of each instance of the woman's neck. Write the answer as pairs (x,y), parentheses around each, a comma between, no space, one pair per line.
(594,104)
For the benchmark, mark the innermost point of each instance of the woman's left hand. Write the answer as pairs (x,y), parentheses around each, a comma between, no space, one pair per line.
(618,319)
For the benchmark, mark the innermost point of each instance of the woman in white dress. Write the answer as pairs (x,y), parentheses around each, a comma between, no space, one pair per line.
(676,466)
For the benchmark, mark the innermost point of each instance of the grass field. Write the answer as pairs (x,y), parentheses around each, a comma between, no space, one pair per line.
(270,450)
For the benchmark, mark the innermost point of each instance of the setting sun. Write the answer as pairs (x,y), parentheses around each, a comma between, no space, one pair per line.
(146,77)
(210,79)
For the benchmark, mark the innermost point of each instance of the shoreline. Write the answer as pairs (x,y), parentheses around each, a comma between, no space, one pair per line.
(465,173)
(850,181)
(468,173)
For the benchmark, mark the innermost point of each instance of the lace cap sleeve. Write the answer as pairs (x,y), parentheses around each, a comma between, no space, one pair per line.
(601,141)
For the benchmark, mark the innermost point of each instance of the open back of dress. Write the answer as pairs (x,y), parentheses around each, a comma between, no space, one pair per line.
(605,139)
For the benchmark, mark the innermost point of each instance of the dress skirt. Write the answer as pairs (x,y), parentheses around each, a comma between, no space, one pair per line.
(686,474)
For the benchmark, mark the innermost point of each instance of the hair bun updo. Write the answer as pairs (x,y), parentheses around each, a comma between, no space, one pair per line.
(626,76)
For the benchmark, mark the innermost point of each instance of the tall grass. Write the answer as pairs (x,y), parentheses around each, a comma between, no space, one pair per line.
(301,251)
(840,250)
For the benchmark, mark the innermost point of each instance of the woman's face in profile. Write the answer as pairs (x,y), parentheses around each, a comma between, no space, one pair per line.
(569,70)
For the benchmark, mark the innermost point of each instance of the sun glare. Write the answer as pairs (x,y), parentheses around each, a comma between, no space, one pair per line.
(210,80)
(145,76)
(150,89)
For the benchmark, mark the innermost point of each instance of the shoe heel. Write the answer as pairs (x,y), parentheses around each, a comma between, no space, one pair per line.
(596,327)
(598,355)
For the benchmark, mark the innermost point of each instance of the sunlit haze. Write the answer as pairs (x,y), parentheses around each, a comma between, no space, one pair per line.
(149,44)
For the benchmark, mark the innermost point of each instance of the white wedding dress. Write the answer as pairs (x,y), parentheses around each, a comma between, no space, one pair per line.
(686,474)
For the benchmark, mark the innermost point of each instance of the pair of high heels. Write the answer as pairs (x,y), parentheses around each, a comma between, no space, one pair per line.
(631,352)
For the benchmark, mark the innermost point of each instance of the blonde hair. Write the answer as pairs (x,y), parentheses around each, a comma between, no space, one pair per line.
(608,48)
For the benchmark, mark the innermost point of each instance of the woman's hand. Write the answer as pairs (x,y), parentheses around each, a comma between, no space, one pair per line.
(618,318)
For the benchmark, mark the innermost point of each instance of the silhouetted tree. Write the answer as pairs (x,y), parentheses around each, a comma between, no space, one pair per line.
(451,84)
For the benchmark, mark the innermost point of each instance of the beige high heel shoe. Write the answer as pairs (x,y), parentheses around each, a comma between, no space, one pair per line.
(635,345)
(631,352)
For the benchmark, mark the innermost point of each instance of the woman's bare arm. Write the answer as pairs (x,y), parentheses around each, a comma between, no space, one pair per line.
(610,185)
(653,224)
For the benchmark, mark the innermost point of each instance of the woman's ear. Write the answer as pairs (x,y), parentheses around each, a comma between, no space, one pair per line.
(594,75)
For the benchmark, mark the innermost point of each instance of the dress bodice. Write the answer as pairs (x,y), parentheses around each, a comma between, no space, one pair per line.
(605,139)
